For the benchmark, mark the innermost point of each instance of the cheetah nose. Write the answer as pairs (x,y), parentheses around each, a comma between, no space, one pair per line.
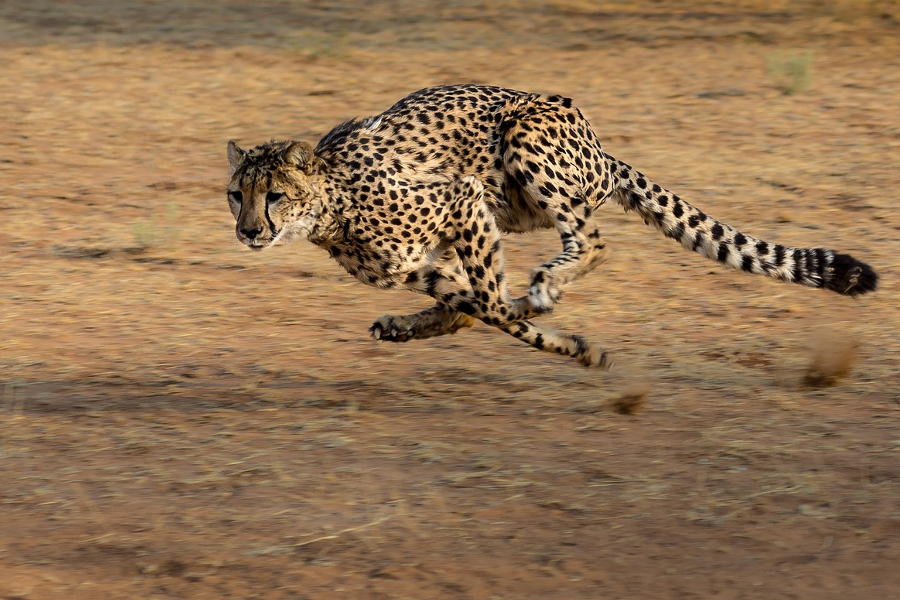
(251,234)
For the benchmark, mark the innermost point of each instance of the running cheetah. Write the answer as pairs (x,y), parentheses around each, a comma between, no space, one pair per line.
(419,196)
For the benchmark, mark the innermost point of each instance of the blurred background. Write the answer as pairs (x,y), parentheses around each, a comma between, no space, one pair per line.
(180,418)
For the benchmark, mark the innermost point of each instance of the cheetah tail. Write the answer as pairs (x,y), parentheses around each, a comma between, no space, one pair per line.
(813,267)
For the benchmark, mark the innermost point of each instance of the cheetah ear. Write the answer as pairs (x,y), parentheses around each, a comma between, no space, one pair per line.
(300,155)
(235,156)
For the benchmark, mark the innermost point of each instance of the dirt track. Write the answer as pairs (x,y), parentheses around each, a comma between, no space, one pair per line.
(184,419)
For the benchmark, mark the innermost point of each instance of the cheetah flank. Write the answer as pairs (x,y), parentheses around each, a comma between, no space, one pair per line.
(419,196)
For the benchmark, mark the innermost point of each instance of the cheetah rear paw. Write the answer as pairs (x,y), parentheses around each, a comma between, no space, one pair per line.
(543,294)
(596,358)
(386,328)
(591,355)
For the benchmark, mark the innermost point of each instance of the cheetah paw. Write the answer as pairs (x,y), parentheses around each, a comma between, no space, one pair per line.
(596,358)
(386,329)
(543,297)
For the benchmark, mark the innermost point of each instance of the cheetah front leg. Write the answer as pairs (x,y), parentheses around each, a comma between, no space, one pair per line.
(437,320)
(431,322)
(453,292)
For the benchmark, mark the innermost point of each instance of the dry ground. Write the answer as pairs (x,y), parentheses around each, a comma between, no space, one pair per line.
(182,419)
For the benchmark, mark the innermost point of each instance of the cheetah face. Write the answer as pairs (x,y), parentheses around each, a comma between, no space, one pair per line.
(271,194)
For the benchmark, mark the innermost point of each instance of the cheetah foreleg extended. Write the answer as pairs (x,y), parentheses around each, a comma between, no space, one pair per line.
(453,292)
(431,322)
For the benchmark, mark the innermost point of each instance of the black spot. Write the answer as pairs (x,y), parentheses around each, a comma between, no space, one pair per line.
(722,256)
(762,248)
(717,232)
(677,210)
(698,241)
(739,239)
(431,281)
(465,307)
(747,263)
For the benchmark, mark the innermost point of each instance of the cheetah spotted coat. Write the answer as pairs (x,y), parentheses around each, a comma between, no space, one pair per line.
(419,196)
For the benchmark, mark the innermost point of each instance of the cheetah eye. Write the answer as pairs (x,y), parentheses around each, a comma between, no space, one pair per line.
(236,196)
(273,197)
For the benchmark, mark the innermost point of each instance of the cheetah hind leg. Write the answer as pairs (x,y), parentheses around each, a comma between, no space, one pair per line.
(585,352)
(431,322)
(549,280)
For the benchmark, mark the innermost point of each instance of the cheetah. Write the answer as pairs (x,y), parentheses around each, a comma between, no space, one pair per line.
(419,196)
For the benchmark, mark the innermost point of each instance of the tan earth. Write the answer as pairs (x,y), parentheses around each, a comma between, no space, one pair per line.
(184,419)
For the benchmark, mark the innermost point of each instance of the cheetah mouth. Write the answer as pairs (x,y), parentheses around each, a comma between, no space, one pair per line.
(257,245)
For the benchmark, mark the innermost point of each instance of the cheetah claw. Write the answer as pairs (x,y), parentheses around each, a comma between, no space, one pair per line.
(385,330)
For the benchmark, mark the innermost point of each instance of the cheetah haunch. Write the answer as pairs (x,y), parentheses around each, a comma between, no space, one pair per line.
(418,197)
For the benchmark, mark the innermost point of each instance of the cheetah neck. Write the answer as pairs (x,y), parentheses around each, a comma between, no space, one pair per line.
(331,213)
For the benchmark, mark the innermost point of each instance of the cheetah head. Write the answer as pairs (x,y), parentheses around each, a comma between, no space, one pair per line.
(271,192)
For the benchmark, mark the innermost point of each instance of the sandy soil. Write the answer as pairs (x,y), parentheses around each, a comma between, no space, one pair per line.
(182,419)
